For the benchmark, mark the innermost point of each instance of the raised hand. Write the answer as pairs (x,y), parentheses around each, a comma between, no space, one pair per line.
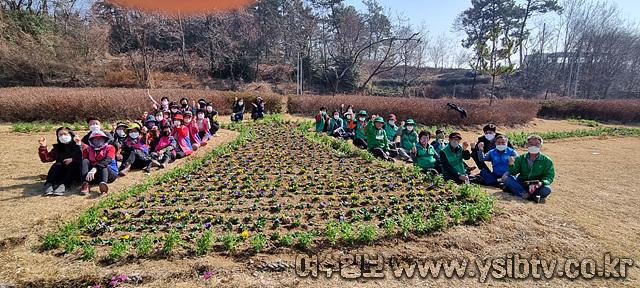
(42,141)
(78,140)
(465,145)
(512,160)
(481,146)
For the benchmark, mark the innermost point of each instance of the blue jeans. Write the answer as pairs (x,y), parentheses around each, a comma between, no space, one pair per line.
(490,178)
(520,189)
(237,117)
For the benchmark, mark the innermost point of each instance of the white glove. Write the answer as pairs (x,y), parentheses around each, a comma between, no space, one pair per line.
(91,174)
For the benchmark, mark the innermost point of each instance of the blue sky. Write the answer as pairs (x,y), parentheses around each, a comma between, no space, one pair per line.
(438,15)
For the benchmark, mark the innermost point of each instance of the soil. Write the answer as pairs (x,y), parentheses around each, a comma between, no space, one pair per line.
(593,210)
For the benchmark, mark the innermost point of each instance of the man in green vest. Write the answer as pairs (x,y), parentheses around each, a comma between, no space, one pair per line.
(452,158)
(377,141)
(360,138)
(392,129)
(531,173)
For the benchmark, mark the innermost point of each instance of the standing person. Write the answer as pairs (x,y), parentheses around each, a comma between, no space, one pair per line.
(336,125)
(408,141)
(135,151)
(452,158)
(163,105)
(439,143)
(377,141)
(360,138)
(321,120)
(181,134)
(94,126)
(67,156)
(489,142)
(258,109)
(164,148)
(499,158)
(238,110)
(98,163)
(212,115)
(427,157)
(531,173)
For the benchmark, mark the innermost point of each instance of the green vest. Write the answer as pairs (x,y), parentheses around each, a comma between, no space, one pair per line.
(360,130)
(455,159)
(334,124)
(408,139)
(320,122)
(376,138)
(391,131)
(426,157)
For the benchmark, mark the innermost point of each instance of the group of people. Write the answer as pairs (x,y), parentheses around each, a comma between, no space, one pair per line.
(172,131)
(528,175)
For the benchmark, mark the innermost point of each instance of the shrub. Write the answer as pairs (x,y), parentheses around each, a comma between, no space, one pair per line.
(424,111)
(602,110)
(76,104)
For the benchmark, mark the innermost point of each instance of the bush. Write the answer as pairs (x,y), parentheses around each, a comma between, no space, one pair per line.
(76,104)
(602,110)
(424,111)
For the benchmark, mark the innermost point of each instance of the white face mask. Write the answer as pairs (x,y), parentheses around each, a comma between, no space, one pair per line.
(336,117)
(489,136)
(120,133)
(64,139)
(177,123)
(200,116)
(392,122)
(159,118)
(533,149)
(410,128)
(240,103)
(165,103)
(209,109)
(174,110)
(134,135)
(94,128)
(187,120)
(454,143)
(501,147)
(362,119)
(350,110)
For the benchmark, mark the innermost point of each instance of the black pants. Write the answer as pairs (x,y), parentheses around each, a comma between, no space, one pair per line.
(63,174)
(479,163)
(135,159)
(360,143)
(386,155)
(163,157)
(102,174)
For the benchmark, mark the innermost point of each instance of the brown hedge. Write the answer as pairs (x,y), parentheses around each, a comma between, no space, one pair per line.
(602,110)
(75,104)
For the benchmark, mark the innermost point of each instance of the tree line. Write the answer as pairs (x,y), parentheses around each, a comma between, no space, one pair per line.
(583,49)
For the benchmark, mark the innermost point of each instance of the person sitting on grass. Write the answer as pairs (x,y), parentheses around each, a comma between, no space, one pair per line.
(439,143)
(408,141)
(164,102)
(427,157)
(499,158)
(181,134)
(184,105)
(135,151)
(360,136)
(238,110)
(67,156)
(98,163)
(174,108)
(164,148)
(377,141)
(203,125)
(531,173)
(321,120)
(119,134)
(392,130)
(452,158)
(95,126)
(257,111)
(349,125)
(336,125)
(212,115)
(489,143)
(194,137)
(161,122)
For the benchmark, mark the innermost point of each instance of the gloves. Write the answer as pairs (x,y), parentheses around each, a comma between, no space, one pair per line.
(91,174)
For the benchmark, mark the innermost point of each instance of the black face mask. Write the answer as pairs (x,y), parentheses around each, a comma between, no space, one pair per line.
(166,133)
(185,105)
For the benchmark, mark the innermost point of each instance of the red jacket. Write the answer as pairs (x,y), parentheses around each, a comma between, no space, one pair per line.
(181,135)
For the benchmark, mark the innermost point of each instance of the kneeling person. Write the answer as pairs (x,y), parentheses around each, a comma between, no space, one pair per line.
(426,156)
